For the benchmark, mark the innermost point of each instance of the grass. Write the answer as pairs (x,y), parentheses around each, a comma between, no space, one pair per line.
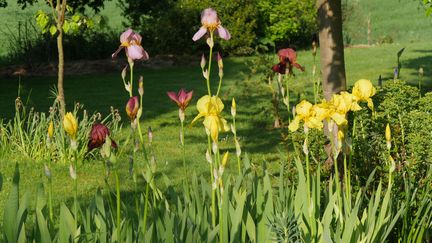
(402,21)
(99,92)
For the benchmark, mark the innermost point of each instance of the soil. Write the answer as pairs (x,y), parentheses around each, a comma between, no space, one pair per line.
(93,66)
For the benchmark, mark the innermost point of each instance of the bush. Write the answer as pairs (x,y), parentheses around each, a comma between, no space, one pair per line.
(286,22)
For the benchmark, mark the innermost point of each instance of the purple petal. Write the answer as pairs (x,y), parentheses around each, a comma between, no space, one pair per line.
(114,55)
(136,37)
(135,52)
(182,95)
(145,55)
(189,96)
(223,33)
(173,97)
(200,33)
(124,37)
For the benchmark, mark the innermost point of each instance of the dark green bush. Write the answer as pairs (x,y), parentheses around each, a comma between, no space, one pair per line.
(168,26)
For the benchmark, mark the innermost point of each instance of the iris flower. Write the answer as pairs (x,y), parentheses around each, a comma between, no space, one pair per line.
(132,107)
(340,105)
(70,125)
(307,113)
(132,42)
(210,22)
(97,137)
(182,98)
(363,90)
(287,58)
(210,108)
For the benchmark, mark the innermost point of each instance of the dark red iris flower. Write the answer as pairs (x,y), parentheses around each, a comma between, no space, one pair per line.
(287,59)
(97,137)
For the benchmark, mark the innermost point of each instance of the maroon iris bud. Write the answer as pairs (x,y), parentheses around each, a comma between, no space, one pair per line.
(182,98)
(132,107)
(287,59)
(97,137)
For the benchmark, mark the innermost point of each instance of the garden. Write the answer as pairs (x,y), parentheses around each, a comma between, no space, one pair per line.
(215,121)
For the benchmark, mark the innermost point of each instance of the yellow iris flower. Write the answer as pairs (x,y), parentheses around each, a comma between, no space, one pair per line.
(363,90)
(70,125)
(51,130)
(210,108)
(307,113)
(340,105)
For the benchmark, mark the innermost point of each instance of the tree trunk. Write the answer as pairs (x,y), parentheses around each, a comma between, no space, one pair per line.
(331,46)
(332,62)
(61,8)
(60,78)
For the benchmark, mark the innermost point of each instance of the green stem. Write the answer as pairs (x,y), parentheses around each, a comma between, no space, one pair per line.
(211,183)
(183,145)
(307,172)
(50,200)
(131,65)
(118,207)
(146,208)
(219,87)
(76,188)
(235,143)
(288,96)
(209,65)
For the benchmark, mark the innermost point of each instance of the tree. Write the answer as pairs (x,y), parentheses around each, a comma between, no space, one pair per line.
(331,46)
(61,26)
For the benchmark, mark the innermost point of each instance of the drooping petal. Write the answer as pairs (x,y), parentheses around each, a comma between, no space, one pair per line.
(114,55)
(298,66)
(135,52)
(294,125)
(223,33)
(212,124)
(279,68)
(339,118)
(200,33)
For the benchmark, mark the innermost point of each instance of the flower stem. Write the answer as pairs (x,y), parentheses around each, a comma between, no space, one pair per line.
(211,183)
(209,65)
(76,188)
(219,87)
(146,208)
(131,65)
(118,206)
(183,145)
(235,143)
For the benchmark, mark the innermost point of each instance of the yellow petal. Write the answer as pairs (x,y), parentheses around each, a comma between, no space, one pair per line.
(314,122)
(294,125)
(203,104)
(211,123)
(225,159)
(339,118)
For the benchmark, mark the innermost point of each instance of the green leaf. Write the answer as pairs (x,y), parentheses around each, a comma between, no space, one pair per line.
(66,26)
(53,30)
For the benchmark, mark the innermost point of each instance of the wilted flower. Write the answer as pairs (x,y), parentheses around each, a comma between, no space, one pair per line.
(132,42)
(51,130)
(210,108)
(70,125)
(305,112)
(98,134)
(132,107)
(287,59)
(182,98)
(210,22)
(363,90)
